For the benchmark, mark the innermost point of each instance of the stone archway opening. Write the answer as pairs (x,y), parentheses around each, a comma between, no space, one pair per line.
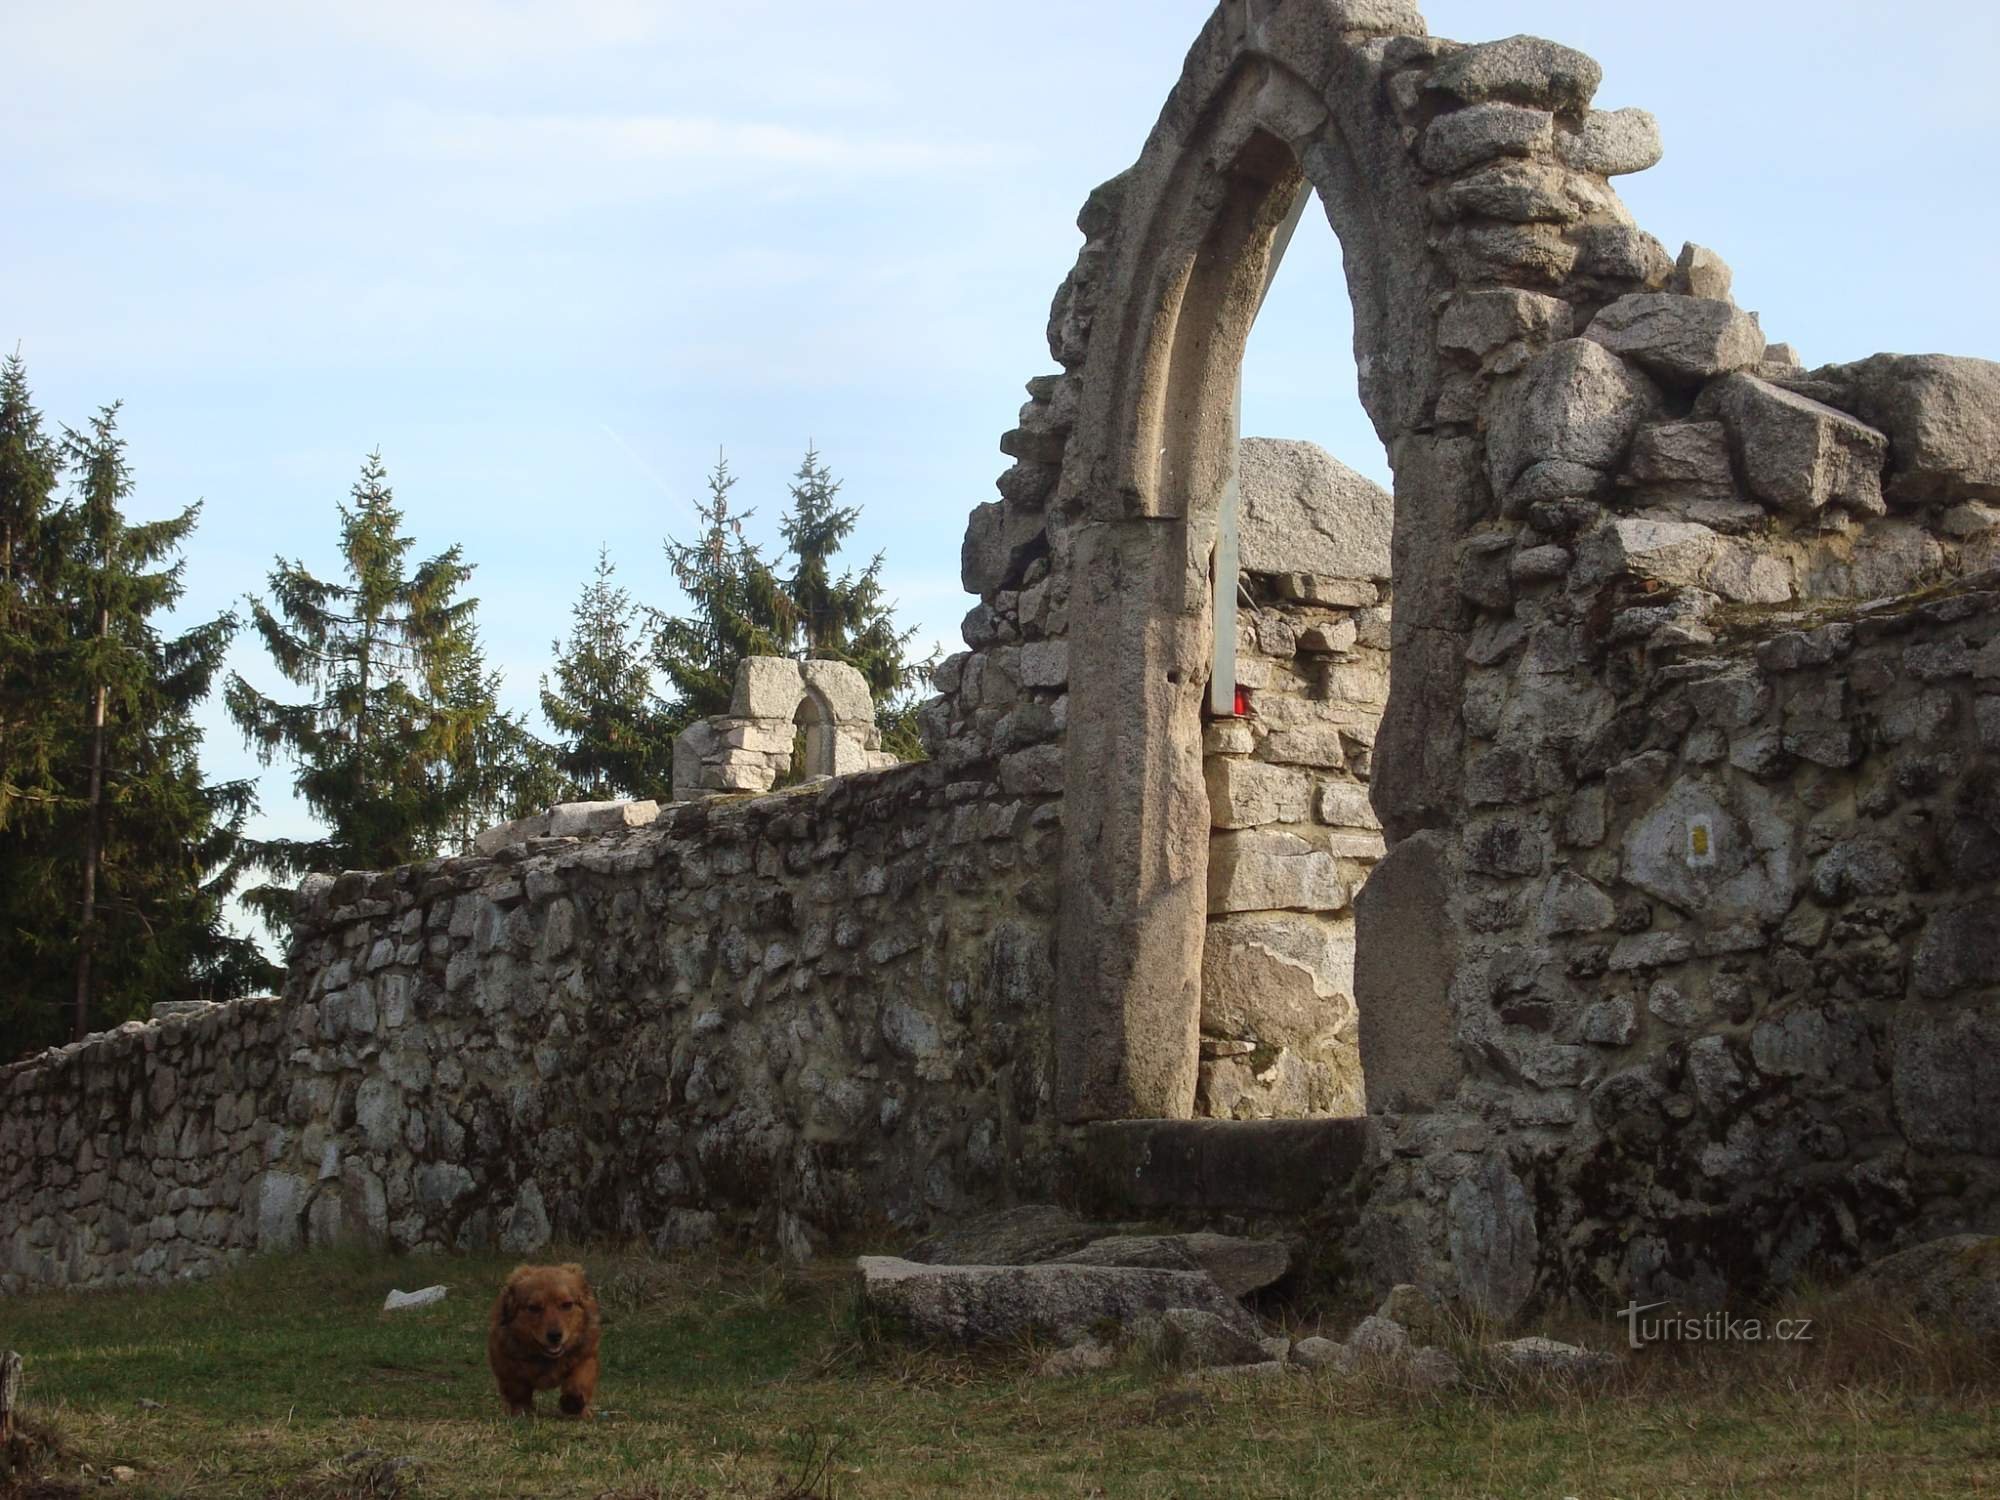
(815,738)
(1174,816)
(1300,678)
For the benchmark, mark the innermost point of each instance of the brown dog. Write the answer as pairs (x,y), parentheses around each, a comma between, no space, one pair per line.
(543,1334)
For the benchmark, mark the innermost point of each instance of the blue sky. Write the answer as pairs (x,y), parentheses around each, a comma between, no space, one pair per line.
(550,257)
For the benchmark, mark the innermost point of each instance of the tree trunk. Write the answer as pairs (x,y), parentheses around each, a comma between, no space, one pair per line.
(86,945)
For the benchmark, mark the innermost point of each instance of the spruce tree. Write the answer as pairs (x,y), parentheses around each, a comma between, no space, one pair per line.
(846,618)
(512,773)
(33,633)
(387,746)
(743,606)
(114,878)
(738,609)
(612,737)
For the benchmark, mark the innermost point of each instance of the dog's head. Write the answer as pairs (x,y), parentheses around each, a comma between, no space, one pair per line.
(549,1309)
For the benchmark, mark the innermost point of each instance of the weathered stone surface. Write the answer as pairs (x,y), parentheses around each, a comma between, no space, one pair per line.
(1522,70)
(1416,1310)
(840,689)
(1306,512)
(1960,948)
(767,687)
(1572,904)
(1613,143)
(1316,1353)
(519,831)
(1045,664)
(1682,458)
(1018,1236)
(1519,192)
(1264,870)
(1954,1282)
(1264,1168)
(1682,340)
(1434,1369)
(1942,418)
(1674,553)
(1406,957)
(1238,1265)
(1282,980)
(1692,851)
(1797,455)
(398,1301)
(1540,1356)
(587,819)
(983,1304)
(1943,1080)
(1377,17)
(1495,1242)
(1578,403)
(1251,793)
(1187,1338)
(1482,132)
(281,1202)
(1482,321)
(837,1003)
(1700,272)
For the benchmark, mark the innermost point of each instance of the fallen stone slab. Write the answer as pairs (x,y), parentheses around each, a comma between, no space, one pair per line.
(503,835)
(1268,1369)
(1953,1281)
(1550,1357)
(1188,1338)
(982,1304)
(1239,1266)
(584,819)
(1019,1236)
(423,1297)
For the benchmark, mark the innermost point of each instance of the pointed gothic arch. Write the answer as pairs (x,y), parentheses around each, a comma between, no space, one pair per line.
(1275,98)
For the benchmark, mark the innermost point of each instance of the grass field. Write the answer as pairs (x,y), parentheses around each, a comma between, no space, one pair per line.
(736,1379)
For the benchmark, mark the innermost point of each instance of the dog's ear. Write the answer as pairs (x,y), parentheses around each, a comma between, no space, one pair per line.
(510,1293)
(573,1268)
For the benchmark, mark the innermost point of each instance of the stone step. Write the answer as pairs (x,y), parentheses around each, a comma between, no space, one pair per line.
(1149,1167)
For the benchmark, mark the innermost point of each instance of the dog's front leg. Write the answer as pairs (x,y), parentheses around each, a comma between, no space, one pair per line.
(578,1387)
(520,1400)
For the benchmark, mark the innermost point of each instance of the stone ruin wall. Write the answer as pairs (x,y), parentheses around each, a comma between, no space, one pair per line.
(1677,977)
(773,1018)
(819,713)
(130,1157)
(1744,1029)
(1597,1057)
